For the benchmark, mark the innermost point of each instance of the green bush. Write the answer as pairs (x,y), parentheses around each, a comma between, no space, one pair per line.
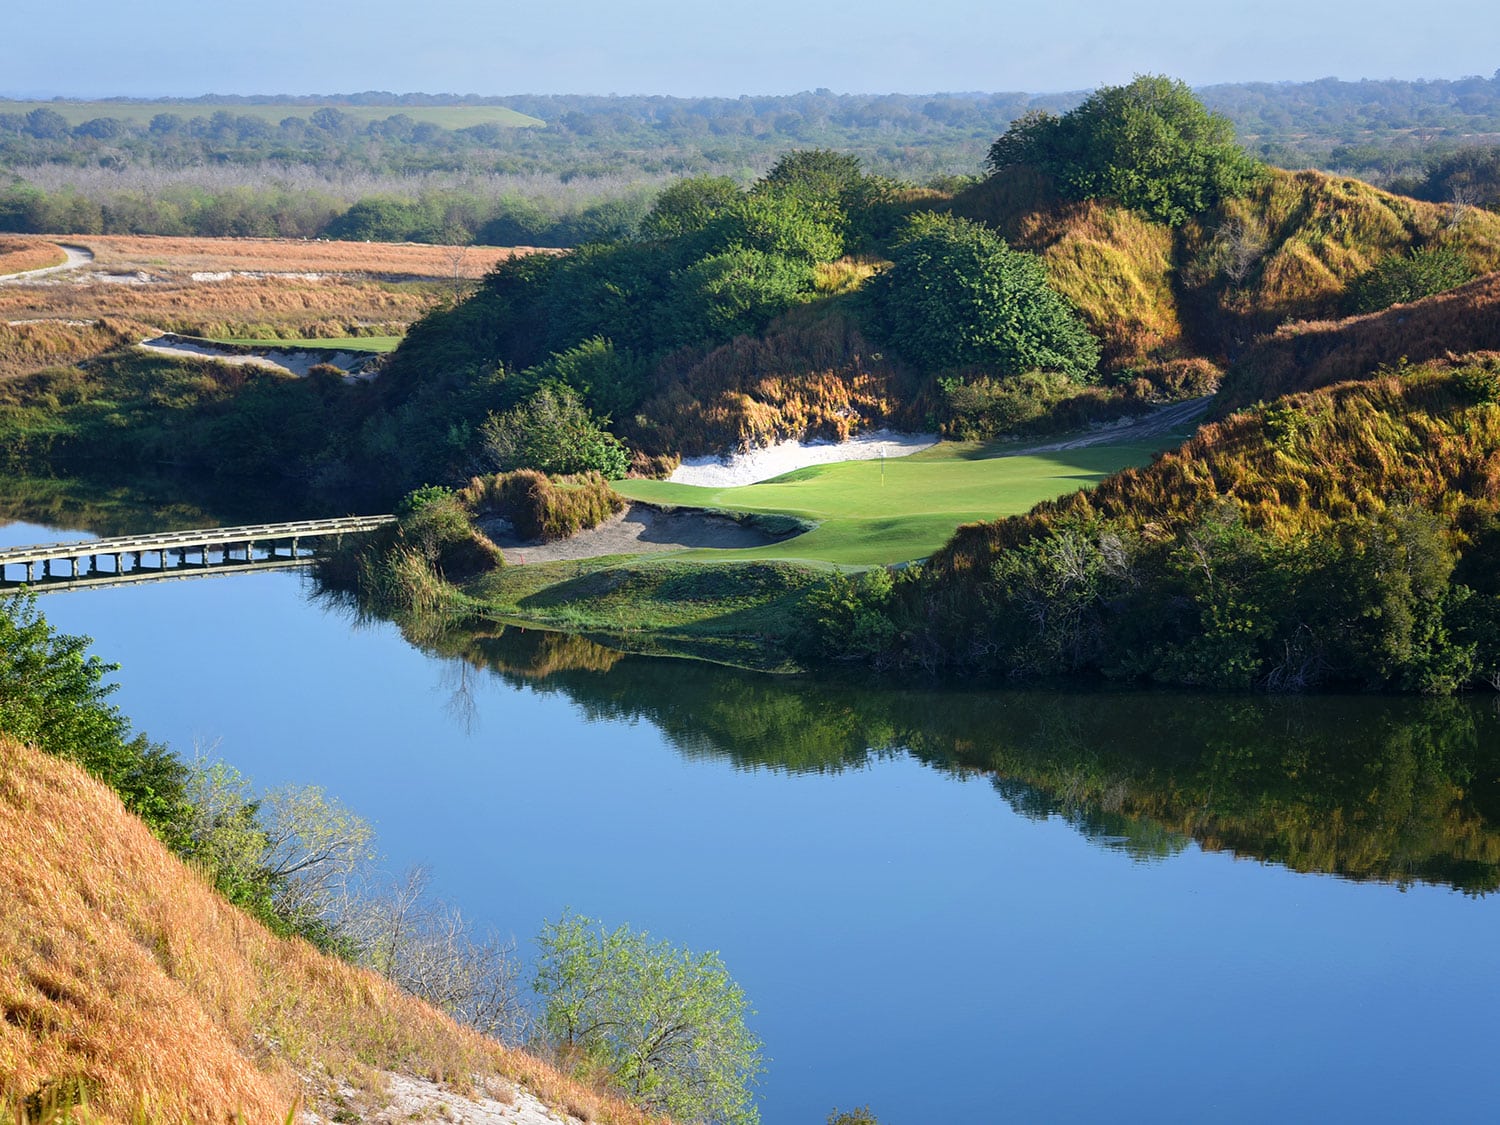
(957,296)
(1151,146)
(1395,280)
(53,696)
(553,432)
(667,1024)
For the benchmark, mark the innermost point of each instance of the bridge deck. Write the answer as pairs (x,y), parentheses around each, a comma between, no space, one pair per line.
(183,540)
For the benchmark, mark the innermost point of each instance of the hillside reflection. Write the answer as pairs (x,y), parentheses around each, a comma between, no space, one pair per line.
(1366,788)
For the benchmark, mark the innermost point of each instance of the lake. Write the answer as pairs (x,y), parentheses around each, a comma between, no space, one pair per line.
(953,905)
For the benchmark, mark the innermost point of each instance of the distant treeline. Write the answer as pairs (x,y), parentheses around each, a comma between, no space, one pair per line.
(397,211)
(1372,128)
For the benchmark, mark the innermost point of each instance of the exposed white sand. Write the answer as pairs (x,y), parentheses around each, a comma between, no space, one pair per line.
(292,361)
(773,460)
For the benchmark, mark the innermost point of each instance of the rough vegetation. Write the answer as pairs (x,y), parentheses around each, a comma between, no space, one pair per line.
(128,984)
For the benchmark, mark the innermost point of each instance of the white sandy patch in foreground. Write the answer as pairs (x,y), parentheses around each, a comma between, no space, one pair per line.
(416,1099)
(773,460)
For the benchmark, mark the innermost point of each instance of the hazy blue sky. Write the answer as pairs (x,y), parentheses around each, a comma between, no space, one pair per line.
(187,47)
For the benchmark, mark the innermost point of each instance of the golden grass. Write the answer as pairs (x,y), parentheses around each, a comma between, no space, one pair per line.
(120,967)
(1309,354)
(811,373)
(1321,232)
(293,255)
(25,348)
(19,254)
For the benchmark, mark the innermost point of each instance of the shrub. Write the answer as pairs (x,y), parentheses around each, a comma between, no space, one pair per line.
(957,295)
(552,431)
(1396,280)
(666,1023)
(539,507)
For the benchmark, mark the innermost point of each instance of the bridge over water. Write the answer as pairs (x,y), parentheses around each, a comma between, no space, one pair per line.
(174,554)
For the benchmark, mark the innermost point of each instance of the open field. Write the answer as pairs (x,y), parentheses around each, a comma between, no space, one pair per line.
(18,254)
(141,113)
(348,295)
(872,514)
(391,260)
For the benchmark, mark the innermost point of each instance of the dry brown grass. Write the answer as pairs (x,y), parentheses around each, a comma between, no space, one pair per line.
(812,373)
(1310,354)
(25,348)
(1320,232)
(120,967)
(19,254)
(291,255)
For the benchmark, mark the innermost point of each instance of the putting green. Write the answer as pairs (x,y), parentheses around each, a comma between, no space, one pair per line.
(873,512)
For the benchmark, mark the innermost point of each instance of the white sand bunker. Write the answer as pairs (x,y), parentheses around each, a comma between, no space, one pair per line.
(773,460)
(292,361)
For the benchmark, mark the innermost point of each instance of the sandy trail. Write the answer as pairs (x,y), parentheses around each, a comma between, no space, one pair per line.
(1160,421)
(77,256)
(638,529)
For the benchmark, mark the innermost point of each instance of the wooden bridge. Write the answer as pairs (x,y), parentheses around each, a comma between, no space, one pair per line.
(174,554)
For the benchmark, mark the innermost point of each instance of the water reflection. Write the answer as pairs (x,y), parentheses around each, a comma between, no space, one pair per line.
(1395,790)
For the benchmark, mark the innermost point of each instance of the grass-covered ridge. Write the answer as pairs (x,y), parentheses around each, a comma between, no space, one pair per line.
(129,984)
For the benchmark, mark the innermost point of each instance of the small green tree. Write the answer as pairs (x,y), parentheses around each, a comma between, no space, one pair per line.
(668,1024)
(729,294)
(957,295)
(689,205)
(554,432)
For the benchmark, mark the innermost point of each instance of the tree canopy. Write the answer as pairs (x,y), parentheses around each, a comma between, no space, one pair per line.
(1151,145)
(957,296)
(667,1023)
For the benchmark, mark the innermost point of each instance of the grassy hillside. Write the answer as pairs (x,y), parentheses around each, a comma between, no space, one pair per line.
(1286,251)
(1289,250)
(126,979)
(1309,354)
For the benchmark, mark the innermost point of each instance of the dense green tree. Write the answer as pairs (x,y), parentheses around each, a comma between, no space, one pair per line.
(668,1024)
(689,205)
(1151,145)
(957,296)
(729,294)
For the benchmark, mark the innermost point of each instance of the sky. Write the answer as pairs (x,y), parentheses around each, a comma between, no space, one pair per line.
(153,48)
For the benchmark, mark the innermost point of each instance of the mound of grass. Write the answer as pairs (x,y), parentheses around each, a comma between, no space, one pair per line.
(742,613)
(128,983)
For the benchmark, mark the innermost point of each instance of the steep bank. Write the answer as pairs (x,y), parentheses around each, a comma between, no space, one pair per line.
(124,979)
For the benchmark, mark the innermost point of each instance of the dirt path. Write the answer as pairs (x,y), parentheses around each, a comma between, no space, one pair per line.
(77,256)
(638,529)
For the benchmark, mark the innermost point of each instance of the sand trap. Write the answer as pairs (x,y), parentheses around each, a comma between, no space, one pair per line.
(639,528)
(771,461)
(292,361)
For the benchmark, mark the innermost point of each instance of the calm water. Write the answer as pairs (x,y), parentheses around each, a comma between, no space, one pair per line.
(954,907)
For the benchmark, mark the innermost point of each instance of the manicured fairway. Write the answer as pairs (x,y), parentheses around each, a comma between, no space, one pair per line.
(908,508)
(337,344)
